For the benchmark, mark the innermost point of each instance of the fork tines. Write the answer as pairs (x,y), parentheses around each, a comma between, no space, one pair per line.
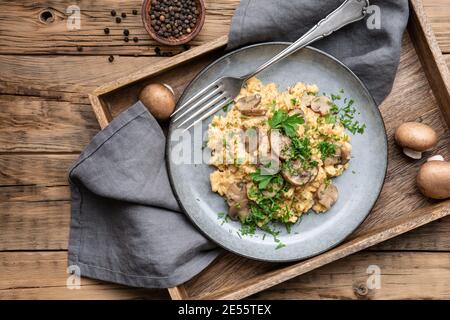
(201,106)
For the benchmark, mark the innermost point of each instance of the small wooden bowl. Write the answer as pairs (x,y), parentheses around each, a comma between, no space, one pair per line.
(172,41)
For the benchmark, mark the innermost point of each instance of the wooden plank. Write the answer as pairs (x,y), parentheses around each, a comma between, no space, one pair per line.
(161,66)
(438,13)
(64,78)
(431,57)
(32,36)
(404,275)
(34,193)
(431,237)
(42,275)
(34,124)
(35,169)
(34,225)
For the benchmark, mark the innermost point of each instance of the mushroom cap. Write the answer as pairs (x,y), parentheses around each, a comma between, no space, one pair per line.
(249,105)
(327,195)
(279,144)
(237,201)
(415,136)
(298,176)
(321,105)
(433,179)
(159,100)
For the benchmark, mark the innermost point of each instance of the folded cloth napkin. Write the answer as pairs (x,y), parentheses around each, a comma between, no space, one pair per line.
(126,226)
(370,48)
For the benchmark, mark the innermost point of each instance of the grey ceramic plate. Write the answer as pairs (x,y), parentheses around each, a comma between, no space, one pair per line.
(359,186)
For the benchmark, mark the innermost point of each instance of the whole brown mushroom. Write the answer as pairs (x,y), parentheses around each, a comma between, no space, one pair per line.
(433,179)
(415,138)
(159,100)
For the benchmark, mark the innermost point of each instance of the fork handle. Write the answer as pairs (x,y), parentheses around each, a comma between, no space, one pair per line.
(350,11)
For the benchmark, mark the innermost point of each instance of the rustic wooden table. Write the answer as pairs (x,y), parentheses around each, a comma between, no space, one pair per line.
(46,120)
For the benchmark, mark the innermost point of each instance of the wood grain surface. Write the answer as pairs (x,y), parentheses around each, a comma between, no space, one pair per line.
(46,120)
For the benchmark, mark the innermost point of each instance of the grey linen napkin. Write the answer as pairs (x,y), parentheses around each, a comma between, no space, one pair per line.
(126,225)
(372,53)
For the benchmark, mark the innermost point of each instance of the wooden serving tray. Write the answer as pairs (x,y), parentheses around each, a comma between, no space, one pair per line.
(421,93)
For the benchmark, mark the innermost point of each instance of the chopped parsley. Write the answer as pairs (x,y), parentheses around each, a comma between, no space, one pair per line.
(223,217)
(225,108)
(263,180)
(282,120)
(345,115)
(326,149)
(330,118)
(301,150)
(280,245)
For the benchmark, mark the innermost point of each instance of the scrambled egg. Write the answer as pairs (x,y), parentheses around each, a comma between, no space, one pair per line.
(297,132)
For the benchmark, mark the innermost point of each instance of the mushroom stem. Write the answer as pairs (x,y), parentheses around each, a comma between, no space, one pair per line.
(436,158)
(412,153)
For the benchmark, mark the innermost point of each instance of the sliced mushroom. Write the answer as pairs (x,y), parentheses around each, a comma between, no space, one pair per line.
(307,99)
(249,105)
(269,165)
(237,201)
(341,156)
(251,142)
(297,112)
(297,175)
(252,191)
(321,105)
(346,152)
(280,144)
(263,144)
(327,195)
(415,138)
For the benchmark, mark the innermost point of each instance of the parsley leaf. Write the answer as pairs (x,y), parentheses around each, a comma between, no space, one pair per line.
(326,149)
(262,180)
(282,120)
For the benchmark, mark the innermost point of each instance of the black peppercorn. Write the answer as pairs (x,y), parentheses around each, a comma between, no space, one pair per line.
(79,48)
(135,12)
(126,39)
(110,58)
(113,13)
(126,32)
(136,39)
(174,18)
(118,20)
(106,30)
(124,15)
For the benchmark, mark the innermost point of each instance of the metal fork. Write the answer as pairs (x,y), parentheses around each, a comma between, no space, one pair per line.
(222,91)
